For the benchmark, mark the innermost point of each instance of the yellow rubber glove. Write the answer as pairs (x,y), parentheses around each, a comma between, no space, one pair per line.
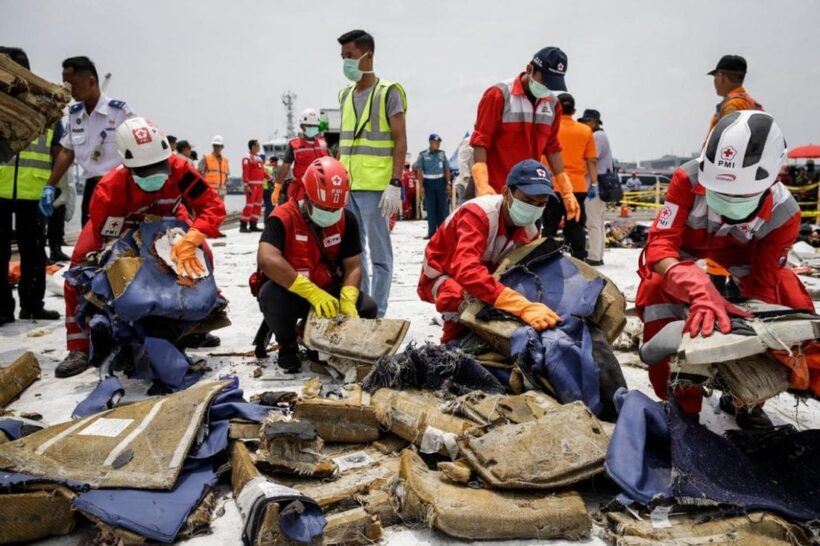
(184,253)
(481,179)
(323,303)
(536,314)
(564,187)
(274,198)
(347,301)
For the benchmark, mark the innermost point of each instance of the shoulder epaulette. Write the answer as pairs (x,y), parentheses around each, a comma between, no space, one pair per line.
(118,104)
(76,107)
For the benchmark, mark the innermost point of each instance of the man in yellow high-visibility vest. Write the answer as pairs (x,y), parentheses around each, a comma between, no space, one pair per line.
(372,147)
(22,180)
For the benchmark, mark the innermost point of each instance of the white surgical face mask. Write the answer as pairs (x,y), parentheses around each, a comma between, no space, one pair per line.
(351,69)
(311,132)
(150,183)
(524,214)
(734,207)
(325,218)
(538,89)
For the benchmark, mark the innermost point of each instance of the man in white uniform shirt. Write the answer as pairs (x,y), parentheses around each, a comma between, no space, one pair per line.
(90,136)
(595,207)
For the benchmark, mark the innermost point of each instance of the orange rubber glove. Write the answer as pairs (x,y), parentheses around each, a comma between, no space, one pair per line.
(536,314)
(348,297)
(184,254)
(274,198)
(481,179)
(563,185)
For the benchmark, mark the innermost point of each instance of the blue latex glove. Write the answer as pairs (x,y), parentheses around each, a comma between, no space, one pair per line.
(47,201)
(592,193)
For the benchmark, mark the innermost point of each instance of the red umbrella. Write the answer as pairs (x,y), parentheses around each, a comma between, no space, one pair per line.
(807,151)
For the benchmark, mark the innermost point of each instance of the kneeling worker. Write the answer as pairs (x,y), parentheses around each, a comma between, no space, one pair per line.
(475,238)
(311,251)
(726,206)
(150,182)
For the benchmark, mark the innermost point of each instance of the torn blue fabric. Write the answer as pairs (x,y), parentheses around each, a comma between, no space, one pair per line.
(563,355)
(778,475)
(154,291)
(169,364)
(156,515)
(100,398)
(214,443)
(13,481)
(231,403)
(638,458)
(12,428)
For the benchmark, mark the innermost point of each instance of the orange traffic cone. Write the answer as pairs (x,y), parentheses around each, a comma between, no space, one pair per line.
(624,210)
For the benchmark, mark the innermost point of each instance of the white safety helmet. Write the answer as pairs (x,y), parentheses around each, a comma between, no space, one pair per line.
(310,117)
(217,140)
(743,154)
(141,143)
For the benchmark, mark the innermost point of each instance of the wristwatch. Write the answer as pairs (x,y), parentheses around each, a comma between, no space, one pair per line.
(395,182)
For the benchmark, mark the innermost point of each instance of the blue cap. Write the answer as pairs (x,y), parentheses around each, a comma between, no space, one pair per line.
(434,136)
(551,62)
(531,177)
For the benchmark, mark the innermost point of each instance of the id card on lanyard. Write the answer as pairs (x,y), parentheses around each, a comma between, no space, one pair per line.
(97,153)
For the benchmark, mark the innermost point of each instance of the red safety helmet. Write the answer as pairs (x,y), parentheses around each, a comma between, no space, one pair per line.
(327,183)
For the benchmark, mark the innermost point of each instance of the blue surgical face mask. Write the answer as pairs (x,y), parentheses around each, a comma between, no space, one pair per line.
(325,218)
(524,214)
(732,207)
(150,183)
(352,71)
(311,132)
(538,89)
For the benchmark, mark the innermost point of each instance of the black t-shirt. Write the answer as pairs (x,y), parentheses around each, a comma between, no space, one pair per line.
(351,244)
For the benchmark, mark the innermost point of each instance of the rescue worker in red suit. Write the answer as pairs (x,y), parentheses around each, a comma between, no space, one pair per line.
(253,180)
(472,241)
(726,206)
(150,182)
(301,153)
(310,252)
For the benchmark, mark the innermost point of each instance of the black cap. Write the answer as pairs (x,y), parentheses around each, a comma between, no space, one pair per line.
(182,144)
(551,62)
(731,63)
(567,102)
(589,114)
(435,136)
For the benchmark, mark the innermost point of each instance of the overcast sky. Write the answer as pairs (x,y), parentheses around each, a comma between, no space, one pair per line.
(204,67)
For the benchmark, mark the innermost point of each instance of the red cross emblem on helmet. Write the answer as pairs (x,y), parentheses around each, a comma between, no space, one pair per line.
(728,153)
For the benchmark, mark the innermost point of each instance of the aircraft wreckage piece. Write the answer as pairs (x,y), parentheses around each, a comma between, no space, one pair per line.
(18,376)
(566,445)
(360,340)
(468,513)
(347,420)
(141,445)
(42,512)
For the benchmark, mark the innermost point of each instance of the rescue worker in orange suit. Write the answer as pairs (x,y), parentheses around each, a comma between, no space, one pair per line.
(150,182)
(301,153)
(728,78)
(727,206)
(253,180)
(469,245)
(518,119)
(310,252)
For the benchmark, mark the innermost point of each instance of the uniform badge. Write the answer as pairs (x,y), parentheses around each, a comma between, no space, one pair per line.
(79,121)
(111,120)
(332,240)
(666,217)
(112,226)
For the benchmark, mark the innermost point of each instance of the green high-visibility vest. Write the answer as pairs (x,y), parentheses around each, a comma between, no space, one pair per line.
(366,145)
(26,174)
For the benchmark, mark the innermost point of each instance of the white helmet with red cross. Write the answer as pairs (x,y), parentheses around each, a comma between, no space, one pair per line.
(743,154)
(141,143)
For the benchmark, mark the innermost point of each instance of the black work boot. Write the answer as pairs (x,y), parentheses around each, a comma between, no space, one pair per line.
(243,227)
(288,359)
(746,418)
(76,362)
(39,314)
(253,228)
(56,254)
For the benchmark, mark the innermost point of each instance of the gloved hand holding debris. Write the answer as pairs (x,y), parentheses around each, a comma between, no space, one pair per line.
(536,314)
(325,305)
(184,254)
(347,301)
